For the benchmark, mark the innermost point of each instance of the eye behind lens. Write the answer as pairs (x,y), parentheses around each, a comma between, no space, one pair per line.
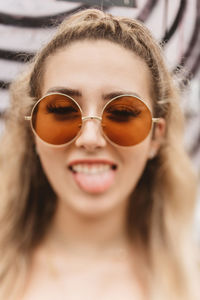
(126,121)
(56,119)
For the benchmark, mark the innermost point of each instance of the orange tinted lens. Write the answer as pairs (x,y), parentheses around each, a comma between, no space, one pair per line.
(126,121)
(56,119)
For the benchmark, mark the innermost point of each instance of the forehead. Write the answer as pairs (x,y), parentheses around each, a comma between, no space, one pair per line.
(97,67)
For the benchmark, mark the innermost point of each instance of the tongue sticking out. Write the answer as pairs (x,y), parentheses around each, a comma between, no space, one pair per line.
(95,183)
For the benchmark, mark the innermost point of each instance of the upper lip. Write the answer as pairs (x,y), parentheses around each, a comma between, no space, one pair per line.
(92,161)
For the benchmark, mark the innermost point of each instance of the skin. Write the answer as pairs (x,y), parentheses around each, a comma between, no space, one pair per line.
(89,229)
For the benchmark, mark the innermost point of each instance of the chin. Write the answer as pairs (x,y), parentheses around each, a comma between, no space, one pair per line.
(92,206)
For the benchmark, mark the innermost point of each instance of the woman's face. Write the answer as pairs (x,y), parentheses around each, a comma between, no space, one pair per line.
(91,176)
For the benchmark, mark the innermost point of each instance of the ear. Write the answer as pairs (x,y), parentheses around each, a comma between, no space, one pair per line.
(157,138)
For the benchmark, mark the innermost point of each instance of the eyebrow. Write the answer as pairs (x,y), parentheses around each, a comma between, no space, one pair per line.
(65,91)
(112,95)
(76,93)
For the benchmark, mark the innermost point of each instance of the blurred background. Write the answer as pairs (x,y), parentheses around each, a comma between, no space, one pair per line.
(25,25)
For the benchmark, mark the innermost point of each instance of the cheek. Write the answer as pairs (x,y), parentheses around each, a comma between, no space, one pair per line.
(136,157)
(51,159)
(138,152)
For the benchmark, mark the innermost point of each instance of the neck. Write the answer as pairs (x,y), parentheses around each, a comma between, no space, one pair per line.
(83,235)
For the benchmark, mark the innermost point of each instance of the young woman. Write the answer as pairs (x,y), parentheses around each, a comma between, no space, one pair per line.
(97,193)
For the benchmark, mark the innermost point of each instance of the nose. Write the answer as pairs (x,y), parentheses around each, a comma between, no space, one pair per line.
(91,137)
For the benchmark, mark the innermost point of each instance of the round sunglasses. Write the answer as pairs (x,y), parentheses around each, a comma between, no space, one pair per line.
(57,119)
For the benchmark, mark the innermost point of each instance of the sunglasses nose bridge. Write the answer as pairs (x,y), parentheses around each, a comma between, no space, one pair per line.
(91,118)
(90,136)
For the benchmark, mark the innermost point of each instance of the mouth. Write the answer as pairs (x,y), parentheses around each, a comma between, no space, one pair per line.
(93,176)
(92,168)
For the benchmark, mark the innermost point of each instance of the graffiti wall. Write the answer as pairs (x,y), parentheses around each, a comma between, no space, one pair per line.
(25,25)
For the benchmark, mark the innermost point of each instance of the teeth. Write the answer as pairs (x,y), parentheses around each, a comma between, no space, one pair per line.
(91,169)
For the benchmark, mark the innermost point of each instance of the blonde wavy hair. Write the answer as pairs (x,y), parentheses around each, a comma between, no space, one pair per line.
(160,216)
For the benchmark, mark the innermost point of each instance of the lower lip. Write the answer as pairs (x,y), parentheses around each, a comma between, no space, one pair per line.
(95,183)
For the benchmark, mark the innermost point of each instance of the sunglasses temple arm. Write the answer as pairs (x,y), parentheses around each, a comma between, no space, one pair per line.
(155,120)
